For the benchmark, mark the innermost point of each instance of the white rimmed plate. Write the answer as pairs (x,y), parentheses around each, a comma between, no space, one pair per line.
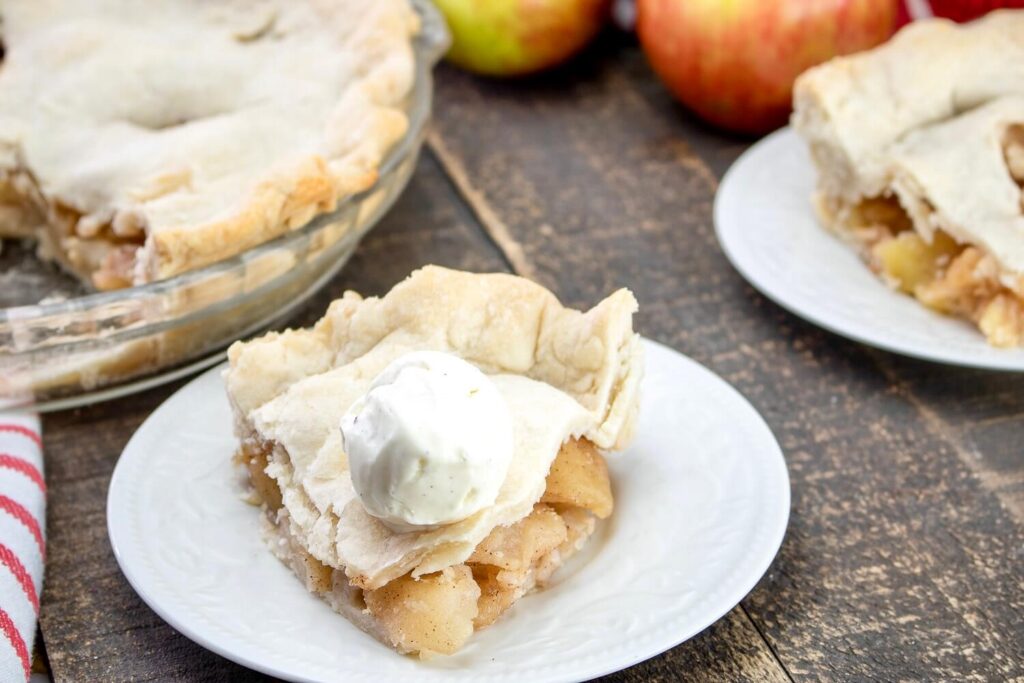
(767,228)
(702,501)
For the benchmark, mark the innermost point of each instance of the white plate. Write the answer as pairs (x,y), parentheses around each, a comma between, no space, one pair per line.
(768,229)
(702,501)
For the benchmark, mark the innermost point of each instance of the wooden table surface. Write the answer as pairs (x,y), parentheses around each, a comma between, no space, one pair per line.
(904,557)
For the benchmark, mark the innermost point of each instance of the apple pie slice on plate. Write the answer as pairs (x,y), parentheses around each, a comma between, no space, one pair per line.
(416,494)
(916,160)
(919,146)
(423,463)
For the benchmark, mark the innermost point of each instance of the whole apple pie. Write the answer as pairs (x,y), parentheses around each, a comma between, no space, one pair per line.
(919,146)
(427,458)
(140,140)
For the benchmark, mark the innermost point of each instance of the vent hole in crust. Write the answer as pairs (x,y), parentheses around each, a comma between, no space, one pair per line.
(357,598)
(161,121)
(1013,153)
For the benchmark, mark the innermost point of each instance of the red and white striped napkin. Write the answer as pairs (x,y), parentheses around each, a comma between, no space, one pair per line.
(22,541)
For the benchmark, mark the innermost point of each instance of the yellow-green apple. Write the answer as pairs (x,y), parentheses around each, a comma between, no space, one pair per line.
(519,37)
(734,61)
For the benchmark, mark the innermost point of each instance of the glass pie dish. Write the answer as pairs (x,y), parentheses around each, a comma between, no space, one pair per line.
(61,346)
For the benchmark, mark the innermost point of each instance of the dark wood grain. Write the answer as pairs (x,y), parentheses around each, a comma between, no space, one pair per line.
(730,650)
(905,550)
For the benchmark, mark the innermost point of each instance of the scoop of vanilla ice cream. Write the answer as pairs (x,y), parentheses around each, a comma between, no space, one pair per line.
(429,443)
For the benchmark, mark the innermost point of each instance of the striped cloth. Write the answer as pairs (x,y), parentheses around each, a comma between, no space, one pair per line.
(22,541)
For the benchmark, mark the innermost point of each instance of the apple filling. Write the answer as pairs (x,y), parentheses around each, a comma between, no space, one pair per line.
(102,253)
(438,612)
(943,274)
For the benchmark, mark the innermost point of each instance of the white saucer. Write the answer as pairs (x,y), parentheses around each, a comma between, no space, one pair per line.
(767,227)
(702,501)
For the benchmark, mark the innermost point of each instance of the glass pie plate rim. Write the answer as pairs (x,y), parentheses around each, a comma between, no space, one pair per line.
(324,259)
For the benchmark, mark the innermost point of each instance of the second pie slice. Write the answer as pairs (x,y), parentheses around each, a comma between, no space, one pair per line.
(427,458)
(919,146)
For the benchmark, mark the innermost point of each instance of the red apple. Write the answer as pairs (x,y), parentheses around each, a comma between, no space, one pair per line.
(518,37)
(734,62)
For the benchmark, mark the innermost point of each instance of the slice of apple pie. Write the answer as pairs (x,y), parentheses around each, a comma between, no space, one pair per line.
(427,458)
(919,146)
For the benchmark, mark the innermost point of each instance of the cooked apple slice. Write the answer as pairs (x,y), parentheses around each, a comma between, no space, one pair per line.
(516,547)
(911,262)
(579,476)
(429,615)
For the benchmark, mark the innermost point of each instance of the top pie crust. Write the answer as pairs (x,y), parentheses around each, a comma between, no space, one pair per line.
(954,176)
(194,128)
(853,108)
(927,119)
(563,373)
